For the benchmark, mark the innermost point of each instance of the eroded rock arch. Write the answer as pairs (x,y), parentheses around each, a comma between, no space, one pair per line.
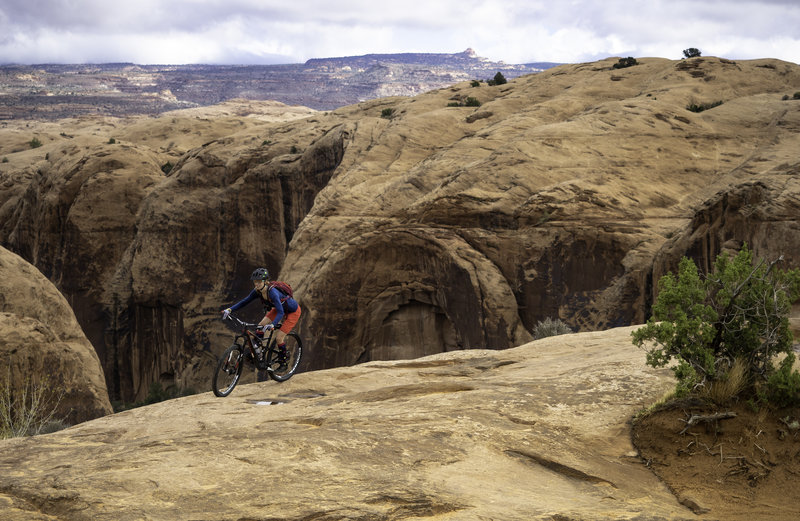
(413,292)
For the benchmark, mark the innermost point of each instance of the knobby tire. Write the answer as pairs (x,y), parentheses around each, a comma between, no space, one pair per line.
(294,347)
(229,370)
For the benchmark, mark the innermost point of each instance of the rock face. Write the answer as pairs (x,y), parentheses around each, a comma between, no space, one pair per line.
(763,213)
(532,433)
(43,345)
(80,217)
(410,226)
(565,194)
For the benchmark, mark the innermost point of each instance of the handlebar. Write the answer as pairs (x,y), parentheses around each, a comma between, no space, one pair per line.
(240,322)
(246,325)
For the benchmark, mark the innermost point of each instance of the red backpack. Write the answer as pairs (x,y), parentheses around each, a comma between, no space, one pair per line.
(283,288)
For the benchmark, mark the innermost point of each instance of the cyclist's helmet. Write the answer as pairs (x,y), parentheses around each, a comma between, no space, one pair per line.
(260,274)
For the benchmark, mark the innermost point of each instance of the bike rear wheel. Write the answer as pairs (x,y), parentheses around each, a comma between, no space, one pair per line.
(229,370)
(279,370)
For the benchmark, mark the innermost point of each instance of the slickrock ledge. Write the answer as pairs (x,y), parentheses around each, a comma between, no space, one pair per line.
(535,432)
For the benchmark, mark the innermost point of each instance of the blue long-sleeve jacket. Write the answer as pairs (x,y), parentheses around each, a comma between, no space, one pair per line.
(287,306)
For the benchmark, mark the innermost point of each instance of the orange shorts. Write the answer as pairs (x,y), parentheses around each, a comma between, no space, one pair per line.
(289,319)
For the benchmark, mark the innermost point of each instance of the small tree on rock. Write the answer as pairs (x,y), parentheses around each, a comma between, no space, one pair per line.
(691,52)
(498,79)
(737,313)
(630,61)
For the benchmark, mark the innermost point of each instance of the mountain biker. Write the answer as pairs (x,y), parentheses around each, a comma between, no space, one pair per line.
(281,310)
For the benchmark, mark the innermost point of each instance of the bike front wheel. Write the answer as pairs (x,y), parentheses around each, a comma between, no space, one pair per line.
(281,370)
(229,370)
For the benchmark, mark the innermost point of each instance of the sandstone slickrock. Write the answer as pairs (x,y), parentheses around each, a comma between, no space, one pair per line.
(76,215)
(563,198)
(42,345)
(424,227)
(532,433)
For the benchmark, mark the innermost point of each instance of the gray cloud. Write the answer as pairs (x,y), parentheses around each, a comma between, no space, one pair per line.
(259,31)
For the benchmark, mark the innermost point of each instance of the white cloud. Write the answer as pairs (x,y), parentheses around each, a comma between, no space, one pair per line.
(270,31)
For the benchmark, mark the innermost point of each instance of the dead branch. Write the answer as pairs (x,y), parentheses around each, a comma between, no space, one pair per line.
(694,419)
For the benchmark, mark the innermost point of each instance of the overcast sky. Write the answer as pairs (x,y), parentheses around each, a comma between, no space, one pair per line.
(292,31)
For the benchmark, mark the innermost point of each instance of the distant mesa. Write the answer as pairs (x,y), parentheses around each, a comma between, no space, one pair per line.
(126,89)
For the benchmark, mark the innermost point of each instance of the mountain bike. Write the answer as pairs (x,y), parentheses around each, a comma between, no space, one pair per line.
(250,348)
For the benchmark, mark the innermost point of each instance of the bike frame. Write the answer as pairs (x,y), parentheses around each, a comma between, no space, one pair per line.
(246,343)
(250,338)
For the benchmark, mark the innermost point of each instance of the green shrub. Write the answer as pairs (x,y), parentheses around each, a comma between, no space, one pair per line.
(498,79)
(550,327)
(387,113)
(469,101)
(626,62)
(35,143)
(691,52)
(738,312)
(5,160)
(167,167)
(111,141)
(783,386)
(796,95)
(294,150)
(475,83)
(703,106)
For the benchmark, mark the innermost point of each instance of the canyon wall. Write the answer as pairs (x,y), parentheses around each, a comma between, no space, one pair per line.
(410,226)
